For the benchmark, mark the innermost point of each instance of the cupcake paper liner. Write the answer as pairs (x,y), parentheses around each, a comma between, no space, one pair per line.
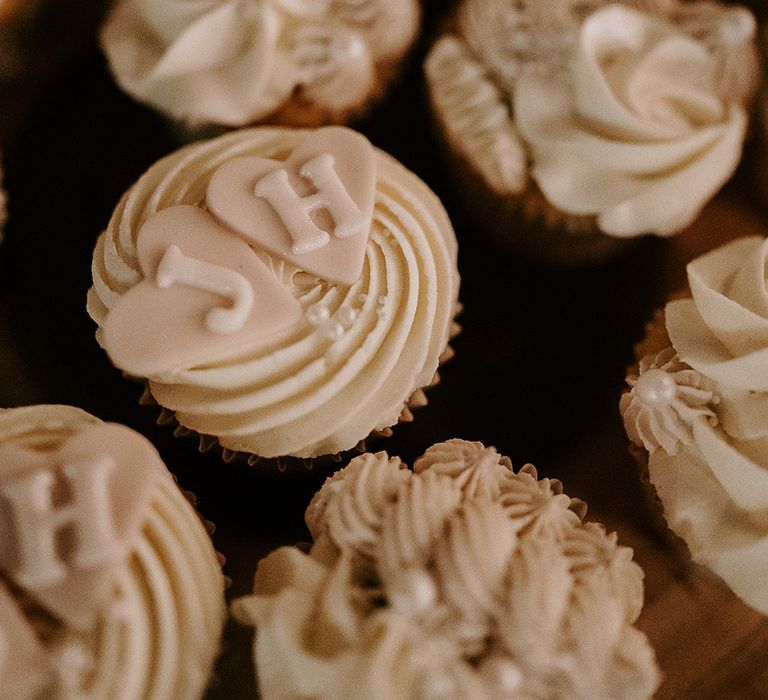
(289,463)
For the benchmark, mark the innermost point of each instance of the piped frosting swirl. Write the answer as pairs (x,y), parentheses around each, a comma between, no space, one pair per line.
(613,107)
(234,63)
(358,353)
(460,579)
(156,631)
(703,416)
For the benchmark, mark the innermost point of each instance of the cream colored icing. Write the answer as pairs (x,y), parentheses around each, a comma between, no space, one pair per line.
(713,484)
(665,399)
(643,138)
(462,579)
(360,351)
(634,113)
(474,116)
(233,62)
(110,473)
(156,632)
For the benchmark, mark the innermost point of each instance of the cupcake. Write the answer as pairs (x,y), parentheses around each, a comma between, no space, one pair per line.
(110,586)
(697,413)
(234,63)
(577,126)
(461,579)
(271,318)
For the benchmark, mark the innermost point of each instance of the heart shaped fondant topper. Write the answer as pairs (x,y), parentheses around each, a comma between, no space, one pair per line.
(206,296)
(314,209)
(70,517)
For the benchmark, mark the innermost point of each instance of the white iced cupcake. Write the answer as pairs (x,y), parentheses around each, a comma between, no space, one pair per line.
(233,63)
(697,410)
(461,579)
(110,586)
(273,320)
(580,125)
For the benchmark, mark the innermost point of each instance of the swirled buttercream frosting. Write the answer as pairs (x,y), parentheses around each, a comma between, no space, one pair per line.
(287,292)
(632,114)
(235,63)
(699,408)
(461,579)
(109,584)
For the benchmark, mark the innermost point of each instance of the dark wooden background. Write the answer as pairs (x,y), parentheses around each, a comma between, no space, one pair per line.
(538,369)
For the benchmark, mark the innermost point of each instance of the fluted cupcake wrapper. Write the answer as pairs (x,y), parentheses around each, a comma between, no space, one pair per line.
(288,463)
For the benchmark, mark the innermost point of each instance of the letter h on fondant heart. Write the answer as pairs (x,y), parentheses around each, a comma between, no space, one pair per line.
(69,516)
(37,522)
(256,198)
(296,212)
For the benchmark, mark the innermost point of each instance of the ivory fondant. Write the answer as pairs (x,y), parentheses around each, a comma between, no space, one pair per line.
(222,300)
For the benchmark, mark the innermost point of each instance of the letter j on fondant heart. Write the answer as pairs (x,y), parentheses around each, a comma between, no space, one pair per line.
(205,297)
(314,209)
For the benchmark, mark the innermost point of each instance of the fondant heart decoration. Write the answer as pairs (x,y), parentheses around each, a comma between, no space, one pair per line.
(70,517)
(314,209)
(205,296)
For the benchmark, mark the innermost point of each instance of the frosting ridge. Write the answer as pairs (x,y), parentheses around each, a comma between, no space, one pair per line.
(630,114)
(458,591)
(643,138)
(233,63)
(156,631)
(359,352)
(709,464)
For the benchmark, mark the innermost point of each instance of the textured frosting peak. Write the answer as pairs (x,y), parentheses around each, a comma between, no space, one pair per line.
(460,579)
(642,135)
(665,398)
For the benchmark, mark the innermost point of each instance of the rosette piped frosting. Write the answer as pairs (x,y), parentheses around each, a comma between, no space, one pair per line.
(278,334)
(461,578)
(109,584)
(699,408)
(236,63)
(631,114)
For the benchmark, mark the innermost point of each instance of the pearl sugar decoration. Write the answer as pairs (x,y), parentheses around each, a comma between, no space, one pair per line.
(666,398)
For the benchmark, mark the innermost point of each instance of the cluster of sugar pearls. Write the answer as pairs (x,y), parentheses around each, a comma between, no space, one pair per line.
(504,590)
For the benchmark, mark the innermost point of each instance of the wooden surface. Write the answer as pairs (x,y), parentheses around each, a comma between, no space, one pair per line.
(538,369)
